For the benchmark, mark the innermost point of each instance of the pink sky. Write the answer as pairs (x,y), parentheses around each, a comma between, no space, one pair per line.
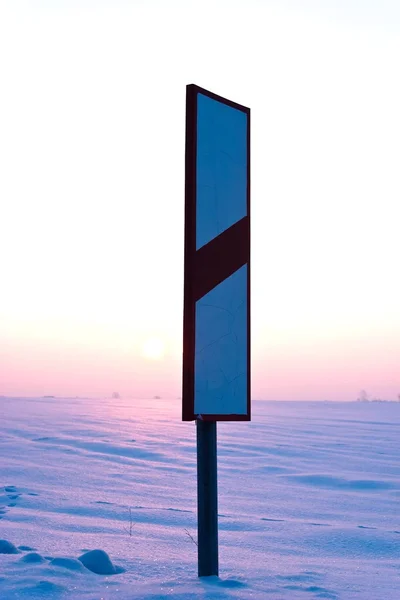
(321,372)
(93,179)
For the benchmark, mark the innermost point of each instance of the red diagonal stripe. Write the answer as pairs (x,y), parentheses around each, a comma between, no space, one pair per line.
(221,257)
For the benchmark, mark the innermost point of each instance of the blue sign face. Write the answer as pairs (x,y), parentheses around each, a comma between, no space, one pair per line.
(221,348)
(216,355)
(221,183)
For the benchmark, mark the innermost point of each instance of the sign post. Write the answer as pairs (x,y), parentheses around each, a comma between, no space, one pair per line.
(216,328)
(207,498)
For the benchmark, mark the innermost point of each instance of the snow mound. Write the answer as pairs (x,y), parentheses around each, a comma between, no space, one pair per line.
(68,563)
(51,589)
(99,562)
(32,557)
(226,583)
(7,547)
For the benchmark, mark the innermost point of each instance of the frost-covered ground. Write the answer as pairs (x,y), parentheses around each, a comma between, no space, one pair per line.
(309,501)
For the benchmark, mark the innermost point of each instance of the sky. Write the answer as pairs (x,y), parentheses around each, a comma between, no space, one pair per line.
(92,121)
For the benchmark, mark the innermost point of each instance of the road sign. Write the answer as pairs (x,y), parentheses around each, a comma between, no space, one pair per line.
(216,329)
(216,343)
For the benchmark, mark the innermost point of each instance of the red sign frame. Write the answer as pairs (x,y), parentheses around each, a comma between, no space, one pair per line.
(211,264)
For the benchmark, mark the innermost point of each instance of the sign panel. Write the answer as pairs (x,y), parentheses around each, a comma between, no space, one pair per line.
(216,337)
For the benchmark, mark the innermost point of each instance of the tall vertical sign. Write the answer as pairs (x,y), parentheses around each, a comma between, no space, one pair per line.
(216,338)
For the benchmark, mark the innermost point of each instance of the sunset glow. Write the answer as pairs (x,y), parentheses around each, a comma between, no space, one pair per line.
(153,349)
(92,192)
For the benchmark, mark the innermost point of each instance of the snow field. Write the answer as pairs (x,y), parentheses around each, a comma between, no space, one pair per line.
(309,501)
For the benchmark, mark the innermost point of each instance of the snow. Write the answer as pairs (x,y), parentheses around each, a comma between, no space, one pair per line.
(7,547)
(96,561)
(308,501)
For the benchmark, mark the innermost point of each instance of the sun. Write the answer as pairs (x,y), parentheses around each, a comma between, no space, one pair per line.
(153,348)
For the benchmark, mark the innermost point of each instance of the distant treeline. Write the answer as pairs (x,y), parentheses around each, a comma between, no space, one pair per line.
(364,397)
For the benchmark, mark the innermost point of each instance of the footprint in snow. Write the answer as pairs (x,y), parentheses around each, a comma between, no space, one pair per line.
(320,592)
(11,495)
(12,492)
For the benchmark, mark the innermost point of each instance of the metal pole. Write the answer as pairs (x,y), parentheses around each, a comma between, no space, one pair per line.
(207,498)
